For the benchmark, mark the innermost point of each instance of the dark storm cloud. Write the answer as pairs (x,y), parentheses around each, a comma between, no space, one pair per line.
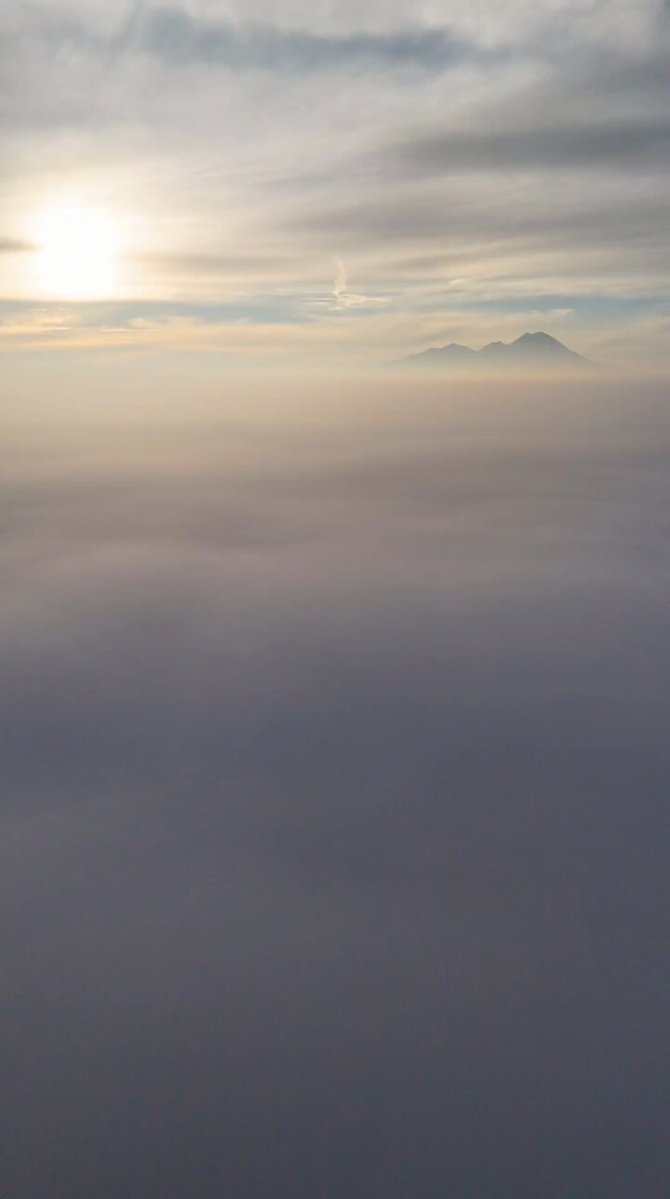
(334,745)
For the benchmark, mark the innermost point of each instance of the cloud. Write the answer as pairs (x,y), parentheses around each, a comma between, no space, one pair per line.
(14,245)
(335,753)
(178,38)
(346,300)
(536,169)
(501,221)
(621,144)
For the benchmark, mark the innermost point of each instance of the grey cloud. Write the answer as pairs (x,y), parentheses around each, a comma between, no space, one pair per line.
(620,143)
(639,77)
(13,245)
(212,263)
(176,37)
(270,267)
(314,849)
(490,223)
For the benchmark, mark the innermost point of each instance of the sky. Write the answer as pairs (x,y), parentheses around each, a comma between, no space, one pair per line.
(328,182)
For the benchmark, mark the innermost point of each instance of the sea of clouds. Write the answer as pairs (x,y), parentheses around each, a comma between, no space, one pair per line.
(334,740)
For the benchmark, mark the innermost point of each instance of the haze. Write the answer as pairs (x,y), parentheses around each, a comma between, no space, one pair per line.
(334,742)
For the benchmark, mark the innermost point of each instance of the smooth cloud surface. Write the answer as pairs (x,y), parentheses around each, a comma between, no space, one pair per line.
(335,763)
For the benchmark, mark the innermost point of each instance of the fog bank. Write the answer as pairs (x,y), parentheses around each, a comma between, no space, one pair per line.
(334,739)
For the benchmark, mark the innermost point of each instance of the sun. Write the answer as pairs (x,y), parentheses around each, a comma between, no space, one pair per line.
(78,253)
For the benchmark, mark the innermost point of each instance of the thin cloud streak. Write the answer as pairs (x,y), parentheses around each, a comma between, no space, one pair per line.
(620,144)
(14,245)
(177,38)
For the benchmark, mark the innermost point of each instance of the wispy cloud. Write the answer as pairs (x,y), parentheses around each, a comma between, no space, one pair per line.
(177,37)
(345,299)
(625,142)
(493,154)
(15,245)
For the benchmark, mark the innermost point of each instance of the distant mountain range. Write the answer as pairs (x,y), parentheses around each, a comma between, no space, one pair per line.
(531,350)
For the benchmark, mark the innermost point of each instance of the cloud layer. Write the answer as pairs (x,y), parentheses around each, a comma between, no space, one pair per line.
(335,764)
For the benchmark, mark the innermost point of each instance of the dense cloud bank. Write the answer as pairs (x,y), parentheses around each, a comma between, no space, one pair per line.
(335,765)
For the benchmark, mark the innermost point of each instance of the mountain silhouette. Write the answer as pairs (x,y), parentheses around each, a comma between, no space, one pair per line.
(531,349)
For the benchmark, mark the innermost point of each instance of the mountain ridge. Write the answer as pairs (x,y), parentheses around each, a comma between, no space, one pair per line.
(533,349)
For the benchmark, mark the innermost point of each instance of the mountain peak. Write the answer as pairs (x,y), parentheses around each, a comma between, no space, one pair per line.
(529,349)
(539,340)
(539,336)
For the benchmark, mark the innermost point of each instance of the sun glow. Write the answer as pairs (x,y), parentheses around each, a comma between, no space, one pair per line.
(78,255)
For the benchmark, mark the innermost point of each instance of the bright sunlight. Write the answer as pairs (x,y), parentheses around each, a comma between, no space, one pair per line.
(79,250)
